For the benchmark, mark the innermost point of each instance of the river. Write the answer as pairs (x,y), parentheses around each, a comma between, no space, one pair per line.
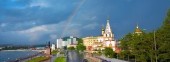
(14,54)
(74,56)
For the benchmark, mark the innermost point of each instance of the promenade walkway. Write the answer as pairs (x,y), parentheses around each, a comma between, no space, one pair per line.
(92,58)
(110,59)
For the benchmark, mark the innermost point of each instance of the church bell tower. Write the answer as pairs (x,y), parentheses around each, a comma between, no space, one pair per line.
(108,32)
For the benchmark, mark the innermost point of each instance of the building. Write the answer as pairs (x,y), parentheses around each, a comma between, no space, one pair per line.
(106,39)
(59,43)
(66,42)
(48,50)
(53,47)
(99,44)
(89,42)
(137,30)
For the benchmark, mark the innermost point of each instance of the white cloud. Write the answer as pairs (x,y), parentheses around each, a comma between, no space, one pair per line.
(93,18)
(14,0)
(3,24)
(52,30)
(39,3)
(34,33)
(35,29)
(34,23)
(90,26)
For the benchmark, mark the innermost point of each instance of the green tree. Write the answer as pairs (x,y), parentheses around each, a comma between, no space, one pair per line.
(80,40)
(81,47)
(142,47)
(71,48)
(109,52)
(163,40)
(124,45)
(137,47)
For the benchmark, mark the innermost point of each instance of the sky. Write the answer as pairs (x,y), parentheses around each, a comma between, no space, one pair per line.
(39,21)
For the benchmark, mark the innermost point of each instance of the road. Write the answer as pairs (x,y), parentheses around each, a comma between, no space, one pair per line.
(74,56)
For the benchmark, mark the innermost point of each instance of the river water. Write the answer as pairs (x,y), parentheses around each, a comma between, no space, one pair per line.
(74,56)
(13,55)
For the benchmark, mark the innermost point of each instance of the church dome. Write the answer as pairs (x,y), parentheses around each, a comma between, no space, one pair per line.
(137,30)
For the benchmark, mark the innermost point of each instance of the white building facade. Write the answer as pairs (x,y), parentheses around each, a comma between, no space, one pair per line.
(53,47)
(66,41)
(106,39)
(108,36)
(59,43)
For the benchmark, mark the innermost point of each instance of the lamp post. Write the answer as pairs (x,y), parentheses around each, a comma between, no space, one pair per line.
(155,47)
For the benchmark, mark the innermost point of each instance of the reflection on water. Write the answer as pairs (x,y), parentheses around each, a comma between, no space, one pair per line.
(74,56)
(12,55)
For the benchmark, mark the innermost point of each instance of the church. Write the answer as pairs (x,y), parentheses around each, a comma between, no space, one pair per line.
(106,39)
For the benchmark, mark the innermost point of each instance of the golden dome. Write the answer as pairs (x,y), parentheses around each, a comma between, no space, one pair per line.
(137,30)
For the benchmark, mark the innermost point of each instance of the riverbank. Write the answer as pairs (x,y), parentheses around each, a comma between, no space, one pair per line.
(39,59)
(15,55)
(60,59)
(24,50)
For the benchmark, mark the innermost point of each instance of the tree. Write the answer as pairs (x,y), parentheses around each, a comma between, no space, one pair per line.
(137,47)
(71,48)
(109,52)
(163,40)
(125,46)
(80,40)
(142,47)
(81,47)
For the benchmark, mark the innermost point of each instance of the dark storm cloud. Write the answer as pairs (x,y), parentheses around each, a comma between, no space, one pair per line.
(40,12)
(38,21)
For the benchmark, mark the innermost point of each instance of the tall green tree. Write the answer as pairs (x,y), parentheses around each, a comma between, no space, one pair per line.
(137,47)
(109,52)
(80,46)
(80,40)
(125,46)
(163,40)
(142,47)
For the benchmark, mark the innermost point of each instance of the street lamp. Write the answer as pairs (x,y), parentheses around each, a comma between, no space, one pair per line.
(155,47)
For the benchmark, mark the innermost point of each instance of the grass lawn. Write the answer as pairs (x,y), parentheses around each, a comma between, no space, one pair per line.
(60,59)
(38,59)
(54,52)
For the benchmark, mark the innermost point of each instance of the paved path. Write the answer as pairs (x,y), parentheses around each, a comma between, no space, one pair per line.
(92,58)
(111,59)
